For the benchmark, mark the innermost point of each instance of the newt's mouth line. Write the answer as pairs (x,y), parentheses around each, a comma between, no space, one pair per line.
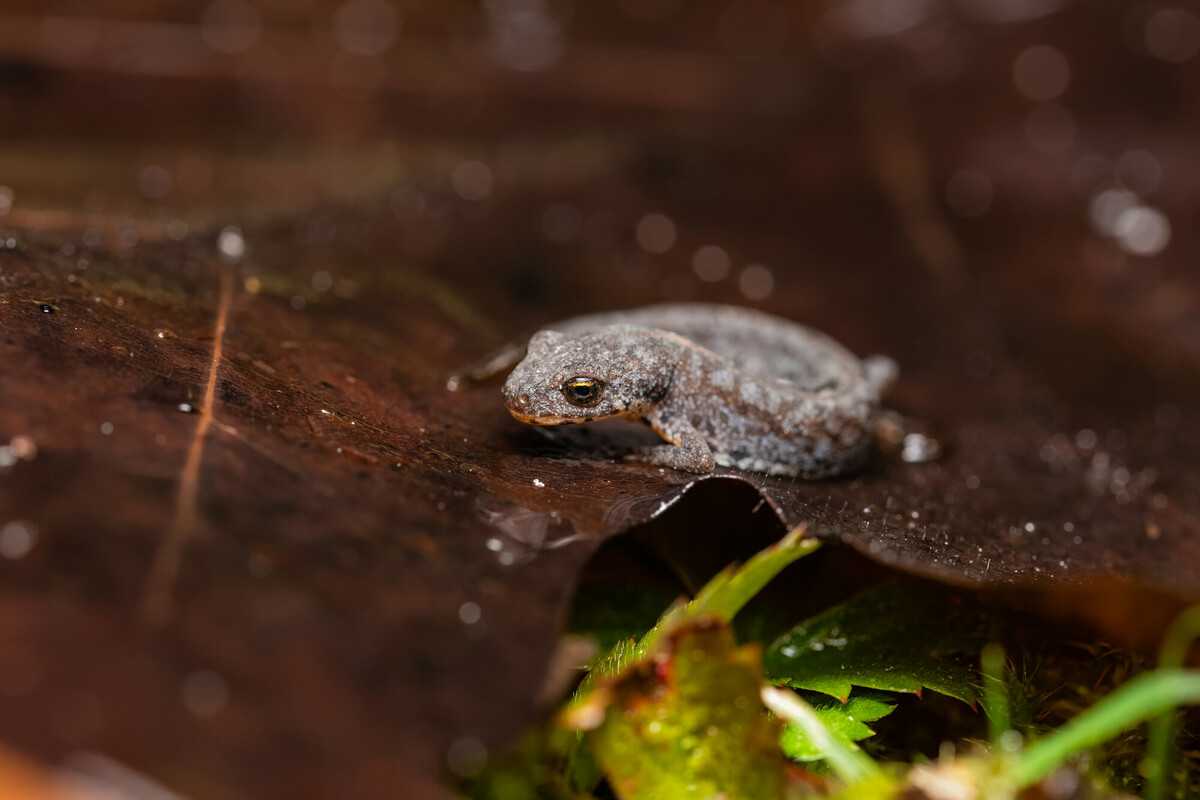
(544,420)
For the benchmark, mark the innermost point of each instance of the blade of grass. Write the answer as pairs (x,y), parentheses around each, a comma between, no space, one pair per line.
(845,758)
(995,691)
(1184,629)
(1141,698)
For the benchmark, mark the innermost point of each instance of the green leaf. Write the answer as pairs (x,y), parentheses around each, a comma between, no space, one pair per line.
(846,721)
(726,594)
(686,722)
(843,757)
(722,597)
(733,587)
(894,637)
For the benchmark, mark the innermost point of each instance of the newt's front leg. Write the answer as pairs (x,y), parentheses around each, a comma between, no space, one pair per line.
(688,451)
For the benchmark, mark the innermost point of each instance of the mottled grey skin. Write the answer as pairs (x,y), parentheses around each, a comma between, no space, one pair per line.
(723,385)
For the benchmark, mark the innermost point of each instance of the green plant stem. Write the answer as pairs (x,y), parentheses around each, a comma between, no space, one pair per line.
(995,691)
(1139,699)
(1184,629)
(845,758)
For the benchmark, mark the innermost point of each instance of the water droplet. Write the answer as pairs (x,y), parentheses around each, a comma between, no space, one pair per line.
(1010,741)
(466,756)
(1041,73)
(1142,231)
(919,448)
(177,230)
(522,37)
(756,282)
(163,333)
(204,693)
(472,180)
(1173,35)
(154,182)
(23,447)
(655,233)
(322,281)
(1107,206)
(469,613)
(17,539)
(230,243)
(711,263)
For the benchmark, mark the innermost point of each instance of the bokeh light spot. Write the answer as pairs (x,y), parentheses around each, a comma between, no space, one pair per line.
(756,282)
(656,233)
(1041,73)
(711,263)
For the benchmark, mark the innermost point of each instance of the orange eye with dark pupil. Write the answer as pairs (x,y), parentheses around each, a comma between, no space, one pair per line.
(583,391)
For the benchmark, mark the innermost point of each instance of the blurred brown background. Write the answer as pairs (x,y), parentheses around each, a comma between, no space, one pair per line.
(999,193)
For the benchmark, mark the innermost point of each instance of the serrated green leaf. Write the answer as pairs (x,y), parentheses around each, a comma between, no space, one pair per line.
(847,721)
(895,637)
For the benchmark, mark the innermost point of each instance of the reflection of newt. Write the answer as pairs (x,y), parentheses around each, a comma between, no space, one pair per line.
(723,385)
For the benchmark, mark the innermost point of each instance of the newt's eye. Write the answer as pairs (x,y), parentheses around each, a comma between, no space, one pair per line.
(583,391)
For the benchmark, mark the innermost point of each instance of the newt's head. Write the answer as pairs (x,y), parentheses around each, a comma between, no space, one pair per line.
(617,371)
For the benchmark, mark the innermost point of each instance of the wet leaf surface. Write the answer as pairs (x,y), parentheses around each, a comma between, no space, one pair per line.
(304,568)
